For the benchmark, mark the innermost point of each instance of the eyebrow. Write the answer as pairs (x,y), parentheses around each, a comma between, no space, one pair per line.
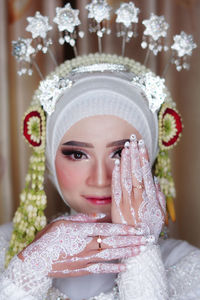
(88,145)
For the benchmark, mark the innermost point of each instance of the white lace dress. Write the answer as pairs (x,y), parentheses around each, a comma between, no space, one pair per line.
(168,271)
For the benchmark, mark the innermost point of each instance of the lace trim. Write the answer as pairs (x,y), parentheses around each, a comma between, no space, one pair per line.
(184,276)
(144,278)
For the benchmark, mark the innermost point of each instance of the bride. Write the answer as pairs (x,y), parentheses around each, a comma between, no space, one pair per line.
(101,142)
(104,125)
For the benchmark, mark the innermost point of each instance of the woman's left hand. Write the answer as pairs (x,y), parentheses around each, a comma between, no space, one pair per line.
(137,199)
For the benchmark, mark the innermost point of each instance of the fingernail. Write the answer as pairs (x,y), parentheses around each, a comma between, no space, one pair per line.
(133,138)
(98,215)
(117,162)
(122,268)
(127,145)
(143,248)
(141,143)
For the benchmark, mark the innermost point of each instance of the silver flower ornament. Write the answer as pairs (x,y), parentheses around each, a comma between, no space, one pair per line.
(156,27)
(22,49)
(183,44)
(99,10)
(67,18)
(38,25)
(153,89)
(51,90)
(127,14)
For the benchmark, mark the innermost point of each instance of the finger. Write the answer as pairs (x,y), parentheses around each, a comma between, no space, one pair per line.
(95,217)
(126,182)
(160,195)
(135,161)
(101,268)
(122,241)
(96,256)
(146,171)
(117,193)
(109,229)
(98,268)
(116,242)
(137,177)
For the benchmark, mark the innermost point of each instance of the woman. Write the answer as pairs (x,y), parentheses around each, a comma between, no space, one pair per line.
(102,140)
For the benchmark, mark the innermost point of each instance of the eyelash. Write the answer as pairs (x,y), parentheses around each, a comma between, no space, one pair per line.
(70,153)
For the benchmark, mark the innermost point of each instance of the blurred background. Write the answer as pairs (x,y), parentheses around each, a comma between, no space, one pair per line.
(16,93)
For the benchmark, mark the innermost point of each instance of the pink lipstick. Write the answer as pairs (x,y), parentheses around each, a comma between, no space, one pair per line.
(98,200)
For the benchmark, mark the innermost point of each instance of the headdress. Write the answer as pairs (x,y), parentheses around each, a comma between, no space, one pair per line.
(29,218)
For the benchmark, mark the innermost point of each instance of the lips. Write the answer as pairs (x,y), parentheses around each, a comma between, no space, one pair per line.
(98,200)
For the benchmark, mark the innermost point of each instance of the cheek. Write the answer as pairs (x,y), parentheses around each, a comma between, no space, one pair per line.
(69,174)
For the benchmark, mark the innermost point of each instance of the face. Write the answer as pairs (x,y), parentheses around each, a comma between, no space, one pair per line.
(85,160)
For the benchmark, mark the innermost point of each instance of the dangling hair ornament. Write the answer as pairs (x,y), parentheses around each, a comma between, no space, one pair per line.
(29,217)
(156,30)
(181,50)
(99,13)
(68,20)
(26,53)
(127,18)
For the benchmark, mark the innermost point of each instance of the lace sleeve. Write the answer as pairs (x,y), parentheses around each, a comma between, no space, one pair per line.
(25,280)
(184,277)
(144,278)
(18,282)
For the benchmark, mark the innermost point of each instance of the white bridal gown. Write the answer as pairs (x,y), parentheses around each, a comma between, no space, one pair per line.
(168,271)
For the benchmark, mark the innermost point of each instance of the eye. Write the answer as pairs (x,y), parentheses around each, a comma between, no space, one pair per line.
(73,154)
(117,154)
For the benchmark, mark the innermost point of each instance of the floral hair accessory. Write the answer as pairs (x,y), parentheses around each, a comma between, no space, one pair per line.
(153,88)
(29,217)
(34,128)
(170,127)
(51,90)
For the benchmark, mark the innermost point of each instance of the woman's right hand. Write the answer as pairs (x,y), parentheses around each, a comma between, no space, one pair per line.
(66,248)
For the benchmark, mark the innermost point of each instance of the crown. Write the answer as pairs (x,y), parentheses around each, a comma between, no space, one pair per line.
(99,16)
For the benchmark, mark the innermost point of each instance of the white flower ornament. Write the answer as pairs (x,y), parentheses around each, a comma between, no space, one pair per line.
(22,49)
(156,27)
(50,92)
(99,10)
(38,25)
(182,48)
(153,89)
(67,18)
(127,14)
(183,44)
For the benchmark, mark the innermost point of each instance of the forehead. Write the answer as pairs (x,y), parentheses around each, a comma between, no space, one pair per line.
(102,127)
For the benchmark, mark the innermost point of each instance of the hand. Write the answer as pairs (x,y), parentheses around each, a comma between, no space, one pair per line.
(138,200)
(65,248)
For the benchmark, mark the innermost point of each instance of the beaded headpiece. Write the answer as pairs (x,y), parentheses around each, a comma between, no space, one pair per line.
(29,217)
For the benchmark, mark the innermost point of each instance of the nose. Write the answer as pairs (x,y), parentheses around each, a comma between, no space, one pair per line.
(100,174)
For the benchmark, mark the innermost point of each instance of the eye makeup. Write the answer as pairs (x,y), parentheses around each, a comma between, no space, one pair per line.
(73,154)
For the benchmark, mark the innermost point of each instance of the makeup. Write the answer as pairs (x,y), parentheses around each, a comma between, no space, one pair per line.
(98,200)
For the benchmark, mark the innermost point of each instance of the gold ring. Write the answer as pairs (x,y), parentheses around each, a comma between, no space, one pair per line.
(139,186)
(99,240)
